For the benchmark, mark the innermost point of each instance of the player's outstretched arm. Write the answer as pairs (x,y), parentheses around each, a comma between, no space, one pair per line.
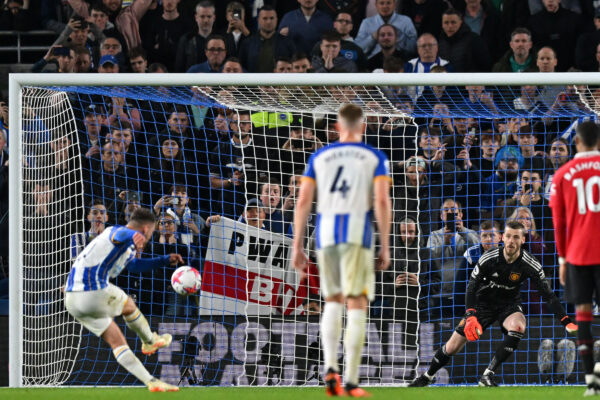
(303,206)
(555,306)
(383,215)
(148,264)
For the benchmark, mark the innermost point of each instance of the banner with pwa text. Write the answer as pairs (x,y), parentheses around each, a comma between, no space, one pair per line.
(247,271)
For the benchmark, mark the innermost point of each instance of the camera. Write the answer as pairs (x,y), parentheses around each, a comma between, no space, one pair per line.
(450,222)
(526,187)
(236,13)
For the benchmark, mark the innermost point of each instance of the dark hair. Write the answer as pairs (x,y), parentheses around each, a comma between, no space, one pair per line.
(520,31)
(81,50)
(299,56)
(155,67)
(489,224)
(138,51)
(331,36)
(178,189)
(214,36)
(97,202)
(99,6)
(389,26)
(142,216)
(589,133)
(205,4)
(432,131)
(344,11)
(120,125)
(514,225)
(393,64)
(233,59)
(283,58)
(452,11)
(266,7)
(179,108)
(244,112)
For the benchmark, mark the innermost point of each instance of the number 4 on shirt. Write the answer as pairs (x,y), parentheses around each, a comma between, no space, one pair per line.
(338,186)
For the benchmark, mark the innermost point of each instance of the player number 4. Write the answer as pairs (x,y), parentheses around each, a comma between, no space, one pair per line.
(585,194)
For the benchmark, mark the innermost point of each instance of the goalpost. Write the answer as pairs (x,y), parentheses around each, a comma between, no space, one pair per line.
(255,322)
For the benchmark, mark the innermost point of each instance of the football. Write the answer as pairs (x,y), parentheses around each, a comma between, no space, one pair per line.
(186,280)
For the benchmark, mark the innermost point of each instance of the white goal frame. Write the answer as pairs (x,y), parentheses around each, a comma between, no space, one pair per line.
(18,81)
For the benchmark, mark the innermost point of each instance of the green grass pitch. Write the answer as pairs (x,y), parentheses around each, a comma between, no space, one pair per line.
(252,393)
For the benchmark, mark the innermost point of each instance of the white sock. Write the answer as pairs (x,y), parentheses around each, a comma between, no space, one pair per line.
(354,341)
(331,333)
(488,371)
(138,323)
(131,363)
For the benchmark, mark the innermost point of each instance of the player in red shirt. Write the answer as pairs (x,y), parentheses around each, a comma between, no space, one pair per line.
(575,203)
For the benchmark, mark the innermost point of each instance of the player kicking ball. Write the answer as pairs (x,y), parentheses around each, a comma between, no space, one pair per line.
(93,301)
(493,294)
(346,176)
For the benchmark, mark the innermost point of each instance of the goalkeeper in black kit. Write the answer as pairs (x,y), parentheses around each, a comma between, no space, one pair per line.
(493,294)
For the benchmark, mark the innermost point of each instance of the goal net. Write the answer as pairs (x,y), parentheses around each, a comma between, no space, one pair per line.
(221,165)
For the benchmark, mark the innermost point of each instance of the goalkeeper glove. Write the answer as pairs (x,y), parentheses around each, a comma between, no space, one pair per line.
(570,327)
(473,328)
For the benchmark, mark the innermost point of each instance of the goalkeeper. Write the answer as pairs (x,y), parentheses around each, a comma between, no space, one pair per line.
(493,294)
(94,302)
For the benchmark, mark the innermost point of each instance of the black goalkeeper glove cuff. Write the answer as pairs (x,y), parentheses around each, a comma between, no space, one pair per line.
(566,320)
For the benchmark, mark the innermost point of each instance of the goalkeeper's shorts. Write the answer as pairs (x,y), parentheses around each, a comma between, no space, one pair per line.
(487,315)
(346,268)
(582,282)
(96,309)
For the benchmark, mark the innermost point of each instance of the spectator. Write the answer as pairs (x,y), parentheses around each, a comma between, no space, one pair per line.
(283,65)
(355,8)
(138,59)
(173,165)
(270,197)
(499,188)
(99,16)
(190,49)
(254,214)
(531,195)
(587,45)
(237,31)
(519,58)
(111,46)
(415,192)
(157,68)
(465,50)
(411,274)
(305,25)
(447,246)
(331,58)
(386,40)
(126,19)
(427,49)
(293,191)
(406,34)
(62,56)
(301,63)
(489,143)
(108,177)
(349,50)
(434,97)
(16,16)
(108,64)
(166,31)
(76,34)
(558,155)
(124,111)
(484,21)
(232,66)
(83,60)
(534,159)
(97,219)
(533,240)
(260,50)
(215,52)
(425,14)
(89,141)
(559,28)
(528,102)
(121,132)
(490,236)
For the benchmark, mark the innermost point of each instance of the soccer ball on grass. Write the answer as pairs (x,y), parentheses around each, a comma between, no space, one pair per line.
(186,280)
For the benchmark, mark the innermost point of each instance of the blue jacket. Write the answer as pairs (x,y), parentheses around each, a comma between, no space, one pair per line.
(250,49)
(306,34)
(407,34)
(204,67)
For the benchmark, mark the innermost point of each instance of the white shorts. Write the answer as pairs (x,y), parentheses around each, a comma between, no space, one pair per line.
(347,269)
(96,309)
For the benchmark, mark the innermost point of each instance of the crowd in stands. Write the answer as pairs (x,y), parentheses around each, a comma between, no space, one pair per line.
(334,35)
(455,176)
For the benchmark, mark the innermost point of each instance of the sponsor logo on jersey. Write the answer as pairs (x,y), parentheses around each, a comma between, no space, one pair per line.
(514,276)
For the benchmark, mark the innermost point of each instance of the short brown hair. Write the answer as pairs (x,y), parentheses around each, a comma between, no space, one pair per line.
(512,224)
(488,225)
(350,114)
(142,216)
